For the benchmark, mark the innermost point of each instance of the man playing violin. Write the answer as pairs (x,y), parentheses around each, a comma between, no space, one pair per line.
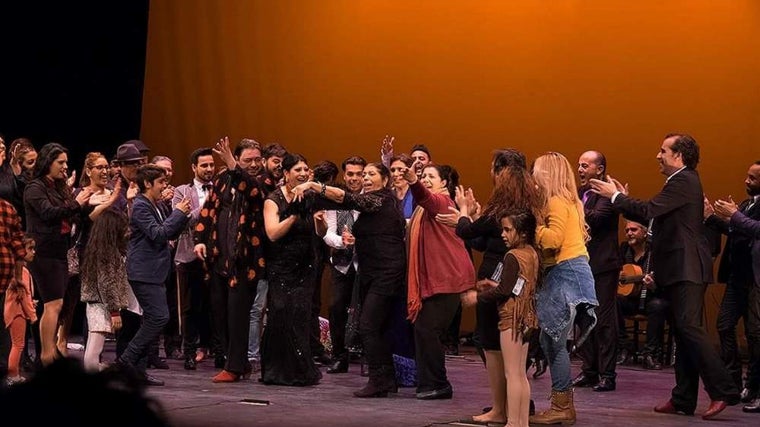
(638,294)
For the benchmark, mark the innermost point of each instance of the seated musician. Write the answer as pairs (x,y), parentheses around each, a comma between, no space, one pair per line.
(639,295)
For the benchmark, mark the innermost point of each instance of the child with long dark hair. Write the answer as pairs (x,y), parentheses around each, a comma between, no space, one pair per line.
(104,281)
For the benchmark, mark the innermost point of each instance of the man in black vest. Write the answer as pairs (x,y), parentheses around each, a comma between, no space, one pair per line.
(682,265)
(343,261)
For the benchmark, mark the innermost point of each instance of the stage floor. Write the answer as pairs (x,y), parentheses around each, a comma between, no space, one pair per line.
(191,399)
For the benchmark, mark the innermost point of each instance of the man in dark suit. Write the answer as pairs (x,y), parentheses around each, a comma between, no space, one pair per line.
(736,272)
(149,261)
(682,265)
(599,353)
(744,222)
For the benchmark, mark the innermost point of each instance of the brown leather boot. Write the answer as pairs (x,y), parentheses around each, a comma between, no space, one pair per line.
(562,410)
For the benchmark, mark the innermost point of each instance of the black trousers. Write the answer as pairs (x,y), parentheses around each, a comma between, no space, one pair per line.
(342,289)
(695,356)
(130,324)
(374,323)
(752,326)
(172,333)
(735,306)
(432,323)
(194,306)
(231,319)
(599,353)
(656,310)
(315,332)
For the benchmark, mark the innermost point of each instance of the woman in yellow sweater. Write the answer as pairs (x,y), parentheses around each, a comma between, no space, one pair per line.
(568,286)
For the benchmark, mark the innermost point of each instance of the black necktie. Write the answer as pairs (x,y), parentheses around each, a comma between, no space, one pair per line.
(207,188)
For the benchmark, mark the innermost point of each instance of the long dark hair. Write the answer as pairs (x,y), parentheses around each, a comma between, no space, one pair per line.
(108,232)
(47,155)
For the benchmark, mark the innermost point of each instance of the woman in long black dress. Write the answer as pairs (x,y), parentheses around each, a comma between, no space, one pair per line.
(285,354)
(380,249)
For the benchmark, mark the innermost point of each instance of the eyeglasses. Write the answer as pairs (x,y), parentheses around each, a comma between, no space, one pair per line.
(100,167)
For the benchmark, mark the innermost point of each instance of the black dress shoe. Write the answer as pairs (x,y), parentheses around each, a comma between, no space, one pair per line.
(441,393)
(605,384)
(191,364)
(219,361)
(338,367)
(651,363)
(582,380)
(753,407)
(151,380)
(748,395)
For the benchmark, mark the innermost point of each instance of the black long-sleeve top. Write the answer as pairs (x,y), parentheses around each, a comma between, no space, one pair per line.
(486,230)
(379,233)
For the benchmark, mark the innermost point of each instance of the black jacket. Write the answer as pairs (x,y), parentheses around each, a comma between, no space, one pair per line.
(680,251)
(602,221)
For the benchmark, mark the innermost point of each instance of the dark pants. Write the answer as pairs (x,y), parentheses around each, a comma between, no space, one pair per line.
(656,310)
(374,323)
(451,338)
(315,332)
(752,326)
(152,299)
(599,353)
(193,305)
(130,324)
(695,356)
(218,295)
(231,318)
(432,323)
(342,288)
(172,332)
(734,307)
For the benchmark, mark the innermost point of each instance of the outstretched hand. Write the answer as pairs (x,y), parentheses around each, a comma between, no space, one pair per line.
(726,208)
(608,187)
(410,174)
(387,146)
(222,149)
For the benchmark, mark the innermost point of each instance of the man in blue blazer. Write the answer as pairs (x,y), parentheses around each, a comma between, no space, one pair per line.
(682,265)
(149,261)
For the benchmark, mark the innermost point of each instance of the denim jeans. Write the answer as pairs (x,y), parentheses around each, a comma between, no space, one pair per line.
(257,312)
(558,357)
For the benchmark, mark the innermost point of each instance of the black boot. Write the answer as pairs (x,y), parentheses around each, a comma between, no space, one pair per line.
(382,380)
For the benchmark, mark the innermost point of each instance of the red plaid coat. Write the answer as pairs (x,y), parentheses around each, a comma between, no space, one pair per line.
(11,243)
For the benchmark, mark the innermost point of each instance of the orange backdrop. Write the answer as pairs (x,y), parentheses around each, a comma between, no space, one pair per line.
(329,78)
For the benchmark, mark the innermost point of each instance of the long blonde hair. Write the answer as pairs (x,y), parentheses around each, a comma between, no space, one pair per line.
(553,172)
